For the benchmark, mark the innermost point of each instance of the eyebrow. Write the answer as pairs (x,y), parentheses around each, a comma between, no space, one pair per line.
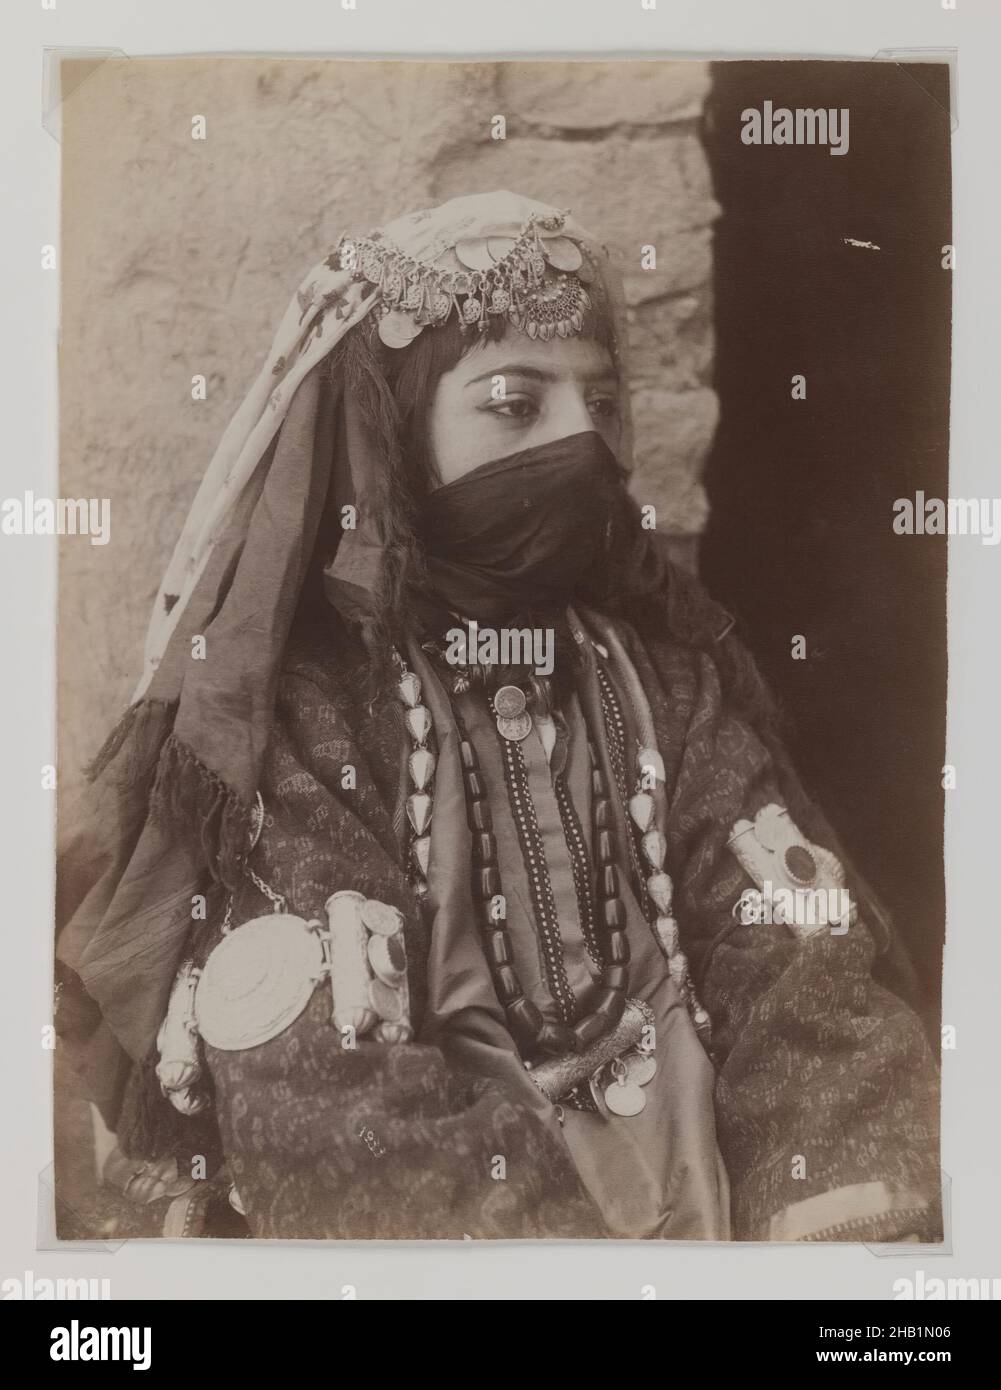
(540,374)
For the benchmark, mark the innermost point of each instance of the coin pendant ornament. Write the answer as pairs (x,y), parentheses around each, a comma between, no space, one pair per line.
(509,701)
(640,1068)
(624,1098)
(513,719)
(563,254)
(516,729)
(475,254)
(386,1001)
(387,958)
(624,1094)
(381,918)
(397,329)
(258,980)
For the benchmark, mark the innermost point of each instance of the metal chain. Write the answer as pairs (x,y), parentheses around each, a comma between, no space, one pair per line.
(276,900)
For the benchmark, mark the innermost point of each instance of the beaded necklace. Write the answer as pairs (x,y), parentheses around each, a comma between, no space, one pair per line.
(528,1025)
(533,1032)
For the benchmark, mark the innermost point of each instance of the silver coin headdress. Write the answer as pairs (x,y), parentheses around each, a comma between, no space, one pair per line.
(535,279)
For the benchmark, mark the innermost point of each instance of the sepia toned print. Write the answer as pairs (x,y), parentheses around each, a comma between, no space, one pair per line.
(447,873)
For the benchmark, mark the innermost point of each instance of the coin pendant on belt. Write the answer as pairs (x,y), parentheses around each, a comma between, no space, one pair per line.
(640,1068)
(386,1001)
(381,918)
(388,958)
(624,1098)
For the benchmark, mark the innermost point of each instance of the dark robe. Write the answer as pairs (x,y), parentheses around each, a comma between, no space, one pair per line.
(825,1093)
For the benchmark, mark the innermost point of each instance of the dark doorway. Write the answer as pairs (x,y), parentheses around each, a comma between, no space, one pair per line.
(800,540)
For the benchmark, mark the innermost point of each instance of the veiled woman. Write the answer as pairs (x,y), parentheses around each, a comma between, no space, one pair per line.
(411,935)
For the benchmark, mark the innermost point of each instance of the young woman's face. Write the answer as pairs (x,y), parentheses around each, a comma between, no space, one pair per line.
(518,393)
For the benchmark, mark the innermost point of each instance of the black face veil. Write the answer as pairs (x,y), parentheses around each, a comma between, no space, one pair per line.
(522,530)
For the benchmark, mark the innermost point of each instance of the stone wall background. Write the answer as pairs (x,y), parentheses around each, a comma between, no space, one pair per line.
(179,256)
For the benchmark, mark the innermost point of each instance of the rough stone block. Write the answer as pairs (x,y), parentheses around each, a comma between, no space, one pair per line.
(591,96)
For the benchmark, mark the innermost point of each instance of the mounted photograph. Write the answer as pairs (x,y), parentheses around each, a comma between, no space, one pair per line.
(501,718)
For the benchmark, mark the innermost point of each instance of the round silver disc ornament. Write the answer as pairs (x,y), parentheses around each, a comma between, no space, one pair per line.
(509,702)
(386,1000)
(475,254)
(640,1068)
(624,1098)
(387,957)
(381,918)
(562,253)
(397,329)
(257,981)
(515,729)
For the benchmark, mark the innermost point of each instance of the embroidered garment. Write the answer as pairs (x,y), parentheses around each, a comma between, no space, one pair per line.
(845,1079)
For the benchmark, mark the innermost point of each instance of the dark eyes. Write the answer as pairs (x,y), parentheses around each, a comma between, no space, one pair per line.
(525,408)
(514,408)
